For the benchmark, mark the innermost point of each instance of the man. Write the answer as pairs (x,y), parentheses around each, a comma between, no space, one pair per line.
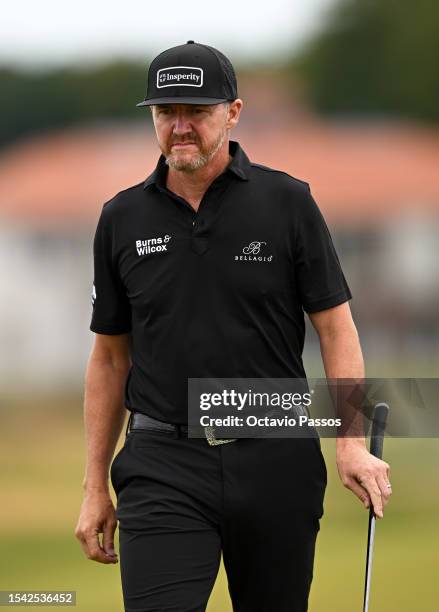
(177,294)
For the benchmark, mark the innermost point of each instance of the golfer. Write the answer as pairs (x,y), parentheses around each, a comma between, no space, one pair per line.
(205,269)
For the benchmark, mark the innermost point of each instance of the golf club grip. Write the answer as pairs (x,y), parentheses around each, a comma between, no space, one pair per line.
(378,428)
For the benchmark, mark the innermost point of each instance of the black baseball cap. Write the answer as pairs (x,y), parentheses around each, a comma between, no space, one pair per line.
(190,74)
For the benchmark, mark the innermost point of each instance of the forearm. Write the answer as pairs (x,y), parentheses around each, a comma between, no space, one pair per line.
(104,415)
(343,359)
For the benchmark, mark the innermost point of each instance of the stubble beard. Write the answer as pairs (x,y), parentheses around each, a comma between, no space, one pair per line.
(197,161)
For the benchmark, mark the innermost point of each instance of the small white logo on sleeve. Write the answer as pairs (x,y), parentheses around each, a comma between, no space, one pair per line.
(185,76)
(153,245)
(93,295)
(251,252)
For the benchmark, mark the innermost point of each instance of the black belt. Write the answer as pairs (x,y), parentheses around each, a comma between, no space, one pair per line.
(139,420)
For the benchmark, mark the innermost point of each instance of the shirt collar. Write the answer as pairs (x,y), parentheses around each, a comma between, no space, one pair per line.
(239,165)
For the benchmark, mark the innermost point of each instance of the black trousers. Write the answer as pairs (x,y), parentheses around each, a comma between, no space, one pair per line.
(181,502)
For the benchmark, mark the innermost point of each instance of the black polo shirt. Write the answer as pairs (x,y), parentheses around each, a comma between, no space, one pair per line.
(216,293)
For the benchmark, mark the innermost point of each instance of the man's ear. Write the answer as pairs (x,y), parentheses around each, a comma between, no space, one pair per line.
(235,108)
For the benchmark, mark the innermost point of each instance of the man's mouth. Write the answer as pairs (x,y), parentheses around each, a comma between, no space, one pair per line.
(180,145)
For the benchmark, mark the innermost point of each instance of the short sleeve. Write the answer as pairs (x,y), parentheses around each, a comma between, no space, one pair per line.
(111,308)
(320,280)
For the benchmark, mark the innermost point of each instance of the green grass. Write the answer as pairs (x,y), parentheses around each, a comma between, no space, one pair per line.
(42,470)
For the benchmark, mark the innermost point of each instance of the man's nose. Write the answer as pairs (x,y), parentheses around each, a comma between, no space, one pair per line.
(182,124)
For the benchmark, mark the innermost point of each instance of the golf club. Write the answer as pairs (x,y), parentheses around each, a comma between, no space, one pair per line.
(376,448)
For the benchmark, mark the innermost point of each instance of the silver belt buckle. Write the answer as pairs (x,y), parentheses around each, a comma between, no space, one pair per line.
(212,440)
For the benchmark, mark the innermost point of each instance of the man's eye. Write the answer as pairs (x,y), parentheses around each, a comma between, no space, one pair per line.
(200,110)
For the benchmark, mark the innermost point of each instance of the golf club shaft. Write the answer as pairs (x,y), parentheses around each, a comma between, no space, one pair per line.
(376,449)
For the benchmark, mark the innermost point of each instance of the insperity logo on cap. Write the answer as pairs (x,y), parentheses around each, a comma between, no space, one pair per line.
(192,73)
(186,76)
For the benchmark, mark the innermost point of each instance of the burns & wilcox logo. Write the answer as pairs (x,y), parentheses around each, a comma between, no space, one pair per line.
(153,245)
(255,251)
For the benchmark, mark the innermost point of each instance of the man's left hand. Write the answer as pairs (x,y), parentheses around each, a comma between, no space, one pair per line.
(364,474)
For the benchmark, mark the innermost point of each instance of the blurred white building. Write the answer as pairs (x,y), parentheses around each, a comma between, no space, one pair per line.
(377,186)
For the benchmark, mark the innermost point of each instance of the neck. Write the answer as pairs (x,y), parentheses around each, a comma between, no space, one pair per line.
(192,185)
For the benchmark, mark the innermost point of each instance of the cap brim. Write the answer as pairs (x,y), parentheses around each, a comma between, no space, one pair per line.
(181,100)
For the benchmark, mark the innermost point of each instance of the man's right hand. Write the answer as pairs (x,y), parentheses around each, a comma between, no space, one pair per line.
(97,516)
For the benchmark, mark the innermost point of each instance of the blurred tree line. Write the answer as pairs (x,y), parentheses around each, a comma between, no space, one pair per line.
(371,57)
(34,102)
(375,57)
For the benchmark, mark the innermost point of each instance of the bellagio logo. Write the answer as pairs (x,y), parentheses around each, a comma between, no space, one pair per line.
(153,245)
(252,252)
